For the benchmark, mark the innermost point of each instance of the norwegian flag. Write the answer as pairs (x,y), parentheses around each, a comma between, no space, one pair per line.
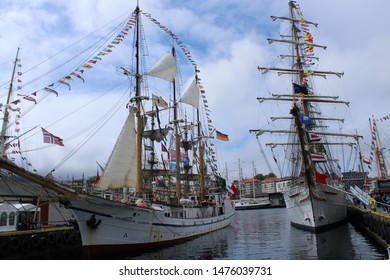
(50,138)
(313,137)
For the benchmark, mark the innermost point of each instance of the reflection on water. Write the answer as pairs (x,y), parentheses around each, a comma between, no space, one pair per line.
(266,234)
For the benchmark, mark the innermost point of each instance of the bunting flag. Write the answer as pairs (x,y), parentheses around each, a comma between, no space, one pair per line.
(164,149)
(78,76)
(29,98)
(300,89)
(305,119)
(51,90)
(184,159)
(50,138)
(87,64)
(321,178)
(65,83)
(318,157)
(302,27)
(313,137)
(221,136)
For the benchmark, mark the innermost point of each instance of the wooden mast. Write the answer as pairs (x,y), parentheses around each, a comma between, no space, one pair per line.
(380,162)
(177,140)
(138,101)
(201,163)
(306,158)
(3,136)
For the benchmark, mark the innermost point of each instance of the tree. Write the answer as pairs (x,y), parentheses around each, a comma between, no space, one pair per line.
(261,177)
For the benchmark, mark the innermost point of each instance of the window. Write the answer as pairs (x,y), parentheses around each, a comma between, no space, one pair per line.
(3,219)
(11,219)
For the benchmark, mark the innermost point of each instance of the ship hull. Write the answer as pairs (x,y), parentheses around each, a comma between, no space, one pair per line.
(122,228)
(321,208)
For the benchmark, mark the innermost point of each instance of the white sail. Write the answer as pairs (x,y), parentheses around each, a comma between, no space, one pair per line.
(191,95)
(121,168)
(165,68)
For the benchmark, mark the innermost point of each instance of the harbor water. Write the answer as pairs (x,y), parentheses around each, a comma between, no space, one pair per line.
(266,234)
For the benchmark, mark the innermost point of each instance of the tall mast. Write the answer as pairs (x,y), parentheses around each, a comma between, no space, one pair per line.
(138,101)
(201,159)
(177,140)
(306,159)
(361,162)
(3,136)
(380,162)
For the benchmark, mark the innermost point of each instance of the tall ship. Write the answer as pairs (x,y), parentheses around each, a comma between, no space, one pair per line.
(314,194)
(160,184)
(377,159)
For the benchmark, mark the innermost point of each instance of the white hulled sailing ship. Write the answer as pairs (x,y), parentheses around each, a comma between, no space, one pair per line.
(160,215)
(314,195)
(142,200)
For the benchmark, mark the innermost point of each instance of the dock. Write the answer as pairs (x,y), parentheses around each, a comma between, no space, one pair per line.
(374,223)
(58,242)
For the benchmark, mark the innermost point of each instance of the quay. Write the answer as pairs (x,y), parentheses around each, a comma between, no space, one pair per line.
(59,242)
(373,223)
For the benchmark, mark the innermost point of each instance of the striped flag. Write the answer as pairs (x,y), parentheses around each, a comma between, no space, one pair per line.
(318,157)
(222,136)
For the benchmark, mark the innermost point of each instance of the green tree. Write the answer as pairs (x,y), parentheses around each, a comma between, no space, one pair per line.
(261,176)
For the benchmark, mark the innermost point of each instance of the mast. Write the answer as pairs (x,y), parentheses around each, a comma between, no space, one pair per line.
(306,160)
(201,163)
(177,140)
(253,179)
(361,162)
(138,101)
(3,136)
(380,162)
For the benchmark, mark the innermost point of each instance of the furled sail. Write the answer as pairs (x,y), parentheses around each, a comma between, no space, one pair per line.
(191,95)
(121,168)
(156,134)
(165,68)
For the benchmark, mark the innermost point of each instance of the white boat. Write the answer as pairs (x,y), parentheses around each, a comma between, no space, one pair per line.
(314,195)
(143,199)
(252,203)
(162,215)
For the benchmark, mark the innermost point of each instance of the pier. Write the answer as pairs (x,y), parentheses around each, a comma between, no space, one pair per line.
(61,242)
(374,224)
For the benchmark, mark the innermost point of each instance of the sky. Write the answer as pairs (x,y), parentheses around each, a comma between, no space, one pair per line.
(228,41)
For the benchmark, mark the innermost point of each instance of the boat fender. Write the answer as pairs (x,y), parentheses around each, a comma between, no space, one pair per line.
(35,240)
(15,243)
(51,238)
(25,245)
(73,238)
(66,236)
(4,249)
(43,243)
(92,223)
(59,241)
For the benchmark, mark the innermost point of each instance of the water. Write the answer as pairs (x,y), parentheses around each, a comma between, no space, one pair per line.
(266,234)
